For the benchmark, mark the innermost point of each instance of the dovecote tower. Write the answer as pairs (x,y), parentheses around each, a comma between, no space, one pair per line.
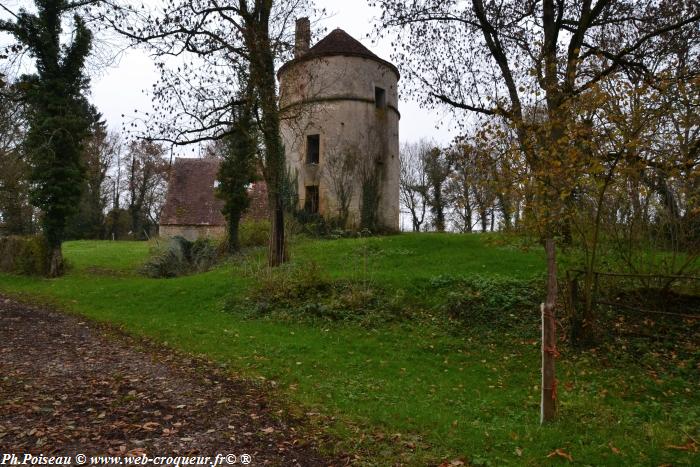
(340,128)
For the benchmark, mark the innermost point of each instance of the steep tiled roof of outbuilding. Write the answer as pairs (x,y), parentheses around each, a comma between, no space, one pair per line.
(191,199)
(339,42)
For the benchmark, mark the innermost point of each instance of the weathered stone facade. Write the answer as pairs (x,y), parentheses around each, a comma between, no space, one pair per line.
(192,232)
(339,101)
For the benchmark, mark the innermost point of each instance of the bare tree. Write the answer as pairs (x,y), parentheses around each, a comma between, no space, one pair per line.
(474,58)
(99,157)
(341,164)
(16,212)
(499,58)
(460,190)
(145,171)
(413,181)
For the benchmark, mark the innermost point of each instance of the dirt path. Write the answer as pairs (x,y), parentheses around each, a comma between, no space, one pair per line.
(68,387)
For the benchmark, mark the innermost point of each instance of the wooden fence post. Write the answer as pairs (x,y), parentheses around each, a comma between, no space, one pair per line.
(549,339)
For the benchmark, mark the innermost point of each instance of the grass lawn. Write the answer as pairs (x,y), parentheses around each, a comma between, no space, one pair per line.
(409,391)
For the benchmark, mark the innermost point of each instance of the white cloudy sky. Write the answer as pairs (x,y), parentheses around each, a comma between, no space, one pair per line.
(120,88)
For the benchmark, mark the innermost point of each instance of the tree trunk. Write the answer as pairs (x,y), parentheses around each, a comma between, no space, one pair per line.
(233,243)
(278,252)
(549,339)
(516,215)
(274,179)
(468,214)
(586,334)
(504,204)
(414,219)
(438,208)
(55,260)
(262,74)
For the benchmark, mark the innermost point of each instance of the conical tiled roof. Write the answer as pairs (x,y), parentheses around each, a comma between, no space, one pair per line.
(339,42)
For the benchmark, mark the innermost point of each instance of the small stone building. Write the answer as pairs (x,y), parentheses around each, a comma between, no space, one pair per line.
(340,127)
(192,210)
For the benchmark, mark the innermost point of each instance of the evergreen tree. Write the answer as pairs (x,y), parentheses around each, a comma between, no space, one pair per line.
(437,169)
(57,114)
(236,173)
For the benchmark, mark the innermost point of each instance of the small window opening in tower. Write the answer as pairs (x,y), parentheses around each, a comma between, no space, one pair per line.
(313,149)
(380,97)
(311,200)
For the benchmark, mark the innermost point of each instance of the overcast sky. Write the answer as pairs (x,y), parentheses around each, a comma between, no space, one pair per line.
(121,88)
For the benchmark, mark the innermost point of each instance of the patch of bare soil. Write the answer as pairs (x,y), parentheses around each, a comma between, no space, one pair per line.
(68,387)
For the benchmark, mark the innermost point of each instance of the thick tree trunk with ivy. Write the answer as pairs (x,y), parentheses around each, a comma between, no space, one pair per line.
(53,235)
(274,173)
(233,243)
(55,261)
(237,171)
(263,80)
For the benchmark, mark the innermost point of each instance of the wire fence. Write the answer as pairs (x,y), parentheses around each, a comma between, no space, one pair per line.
(655,306)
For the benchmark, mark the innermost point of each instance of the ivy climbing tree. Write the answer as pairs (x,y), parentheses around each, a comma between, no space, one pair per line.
(237,172)
(58,113)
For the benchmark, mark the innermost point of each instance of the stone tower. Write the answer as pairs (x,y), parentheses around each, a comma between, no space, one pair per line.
(340,128)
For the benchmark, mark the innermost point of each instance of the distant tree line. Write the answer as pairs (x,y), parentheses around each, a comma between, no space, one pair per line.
(464,187)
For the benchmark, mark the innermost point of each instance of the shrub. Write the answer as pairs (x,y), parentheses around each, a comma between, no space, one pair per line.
(24,255)
(312,224)
(202,255)
(490,300)
(304,292)
(181,257)
(254,233)
(316,226)
(289,283)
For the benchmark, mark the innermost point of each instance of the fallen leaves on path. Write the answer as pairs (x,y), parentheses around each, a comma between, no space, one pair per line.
(71,387)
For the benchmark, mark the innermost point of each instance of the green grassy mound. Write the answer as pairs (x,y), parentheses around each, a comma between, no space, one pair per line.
(430,385)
